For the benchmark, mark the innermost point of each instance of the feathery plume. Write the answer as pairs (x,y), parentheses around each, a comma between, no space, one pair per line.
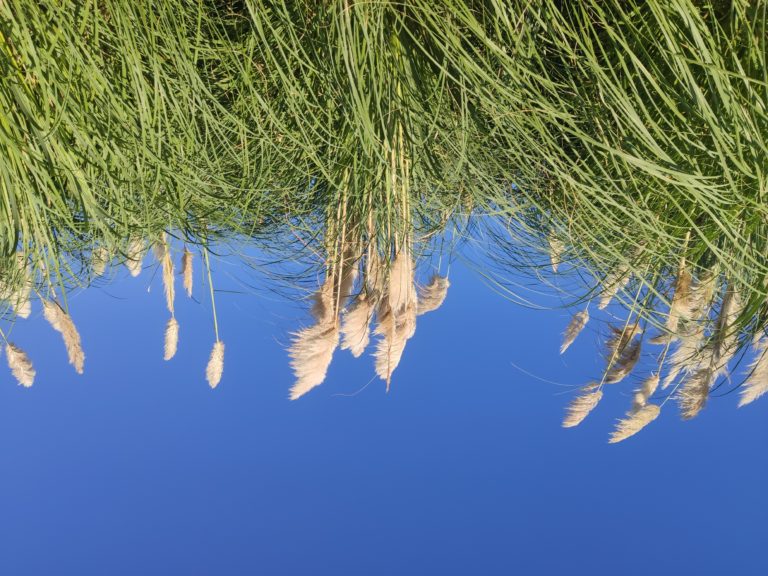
(574,328)
(62,323)
(215,365)
(355,328)
(681,307)
(581,406)
(624,364)
(163,254)
(757,382)
(17,291)
(186,271)
(311,354)
(646,390)
(395,332)
(171,338)
(432,296)
(686,357)
(99,260)
(694,392)
(634,422)
(614,281)
(401,281)
(135,256)
(556,250)
(20,365)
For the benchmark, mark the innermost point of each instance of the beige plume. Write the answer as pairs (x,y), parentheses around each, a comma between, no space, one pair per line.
(20,365)
(215,366)
(171,338)
(401,282)
(757,382)
(395,331)
(62,323)
(355,327)
(135,256)
(646,390)
(574,328)
(556,250)
(99,260)
(612,284)
(582,405)
(634,422)
(163,255)
(682,305)
(694,391)
(432,296)
(186,271)
(311,354)
(624,363)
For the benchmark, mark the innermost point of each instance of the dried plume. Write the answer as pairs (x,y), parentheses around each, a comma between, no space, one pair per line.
(556,250)
(757,383)
(17,291)
(432,296)
(62,323)
(687,356)
(311,354)
(634,422)
(215,365)
(574,328)
(624,363)
(163,254)
(581,406)
(171,338)
(395,331)
(186,271)
(355,327)
(694,391)
(20,365)
(646,390)
(612,284)
(401,282)
(99,260)
(135,256)
(682,305)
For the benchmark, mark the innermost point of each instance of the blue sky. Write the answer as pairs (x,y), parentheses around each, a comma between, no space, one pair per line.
(137,467)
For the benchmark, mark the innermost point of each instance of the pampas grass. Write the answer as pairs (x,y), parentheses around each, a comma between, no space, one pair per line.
(574,328)
(646,390)
(135,256)
(624,364)
(355,327)
(215,366)
(99,260)
(401,289)
(171,338)
(20,365)
(311,354)
(395,331)
(556,250)
(612,284)
(62,323)
(581,406)
(163,255)
(432,296)
(186,271)
(634,422)
(757,382)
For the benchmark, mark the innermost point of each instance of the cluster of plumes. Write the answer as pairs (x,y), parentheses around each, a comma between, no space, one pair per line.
(701,335)
(162,250)
(349,302)
(16,288)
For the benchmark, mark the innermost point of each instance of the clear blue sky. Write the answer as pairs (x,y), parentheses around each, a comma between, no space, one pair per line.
(137,467)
